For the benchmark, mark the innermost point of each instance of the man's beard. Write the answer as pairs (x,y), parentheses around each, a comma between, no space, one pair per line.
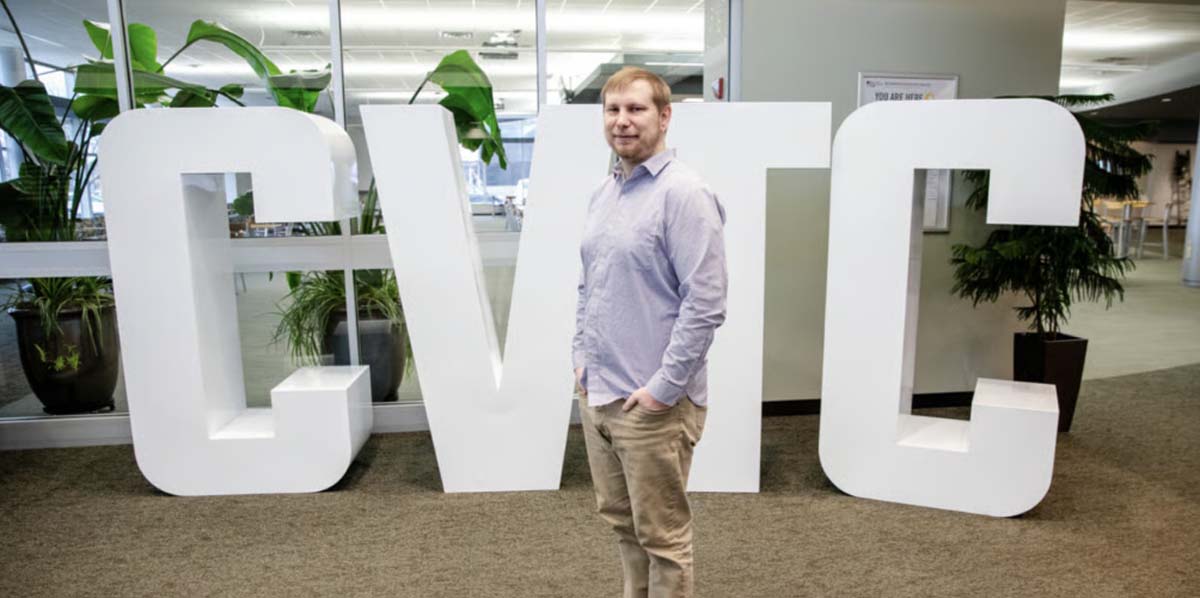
(638,151)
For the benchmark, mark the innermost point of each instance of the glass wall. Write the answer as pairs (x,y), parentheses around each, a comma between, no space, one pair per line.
(187,54)
(263,53)
(68,204)
(401,53)
(392,54)
(51,193)
(73,367)
(587,41)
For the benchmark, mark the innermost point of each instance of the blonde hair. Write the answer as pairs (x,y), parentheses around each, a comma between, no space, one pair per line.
(660,92)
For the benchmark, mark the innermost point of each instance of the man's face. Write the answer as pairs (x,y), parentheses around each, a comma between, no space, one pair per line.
(633,125)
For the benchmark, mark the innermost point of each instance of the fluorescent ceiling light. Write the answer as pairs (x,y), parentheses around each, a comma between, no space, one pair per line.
(358,68)
(421,18)
(697,64)
(1078,82)
(1115,40)
(1105,67)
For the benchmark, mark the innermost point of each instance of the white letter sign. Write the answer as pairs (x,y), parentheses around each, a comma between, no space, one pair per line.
(501,424)
(172,274)
(1000,462)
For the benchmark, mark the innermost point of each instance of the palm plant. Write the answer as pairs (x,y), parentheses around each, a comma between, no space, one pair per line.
(1050,265)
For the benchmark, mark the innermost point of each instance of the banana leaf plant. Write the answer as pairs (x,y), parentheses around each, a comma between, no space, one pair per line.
(315,298)
(470,101)
(42,203)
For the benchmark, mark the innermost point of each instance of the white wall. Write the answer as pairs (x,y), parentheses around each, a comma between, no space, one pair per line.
(813,50)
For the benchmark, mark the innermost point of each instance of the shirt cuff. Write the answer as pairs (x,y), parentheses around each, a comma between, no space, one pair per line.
(578,360)
(663,391)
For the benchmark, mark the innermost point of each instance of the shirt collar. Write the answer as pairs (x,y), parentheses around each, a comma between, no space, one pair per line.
(653,165)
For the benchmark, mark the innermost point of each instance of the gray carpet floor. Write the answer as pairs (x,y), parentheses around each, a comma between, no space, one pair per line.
(1122,518)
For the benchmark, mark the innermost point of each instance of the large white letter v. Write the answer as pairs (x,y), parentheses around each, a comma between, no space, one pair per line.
(494,428)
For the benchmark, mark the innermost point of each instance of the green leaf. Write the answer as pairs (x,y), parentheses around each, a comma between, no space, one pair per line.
(101,37)
(18,212)
(143,47)
(233,90)
(188,98)
(100,79)
(214,32)
(243,205)
(469,97)
(143,43)
(299,89)
(94,108)
(32,205)
(27,114)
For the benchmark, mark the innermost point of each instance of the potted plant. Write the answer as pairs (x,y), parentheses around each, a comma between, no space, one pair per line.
(66,327)
(1052,266)
(313,315)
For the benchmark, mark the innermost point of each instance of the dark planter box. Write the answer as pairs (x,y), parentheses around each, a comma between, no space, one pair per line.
(381,345)
(1058,361)
(83,389)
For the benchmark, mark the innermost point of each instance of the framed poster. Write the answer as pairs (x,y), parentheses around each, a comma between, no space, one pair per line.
(890,87)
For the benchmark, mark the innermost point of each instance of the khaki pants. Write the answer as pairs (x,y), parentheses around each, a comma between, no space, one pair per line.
(640,462)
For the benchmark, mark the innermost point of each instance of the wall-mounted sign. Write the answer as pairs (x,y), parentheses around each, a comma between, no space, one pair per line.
(884,87)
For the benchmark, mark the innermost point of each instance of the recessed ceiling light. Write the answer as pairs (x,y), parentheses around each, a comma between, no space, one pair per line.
(1166,99)
(457,35)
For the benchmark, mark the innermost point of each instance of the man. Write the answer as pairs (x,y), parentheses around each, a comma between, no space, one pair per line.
(651,295)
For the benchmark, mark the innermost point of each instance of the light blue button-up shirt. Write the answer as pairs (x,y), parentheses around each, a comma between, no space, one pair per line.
(653,286)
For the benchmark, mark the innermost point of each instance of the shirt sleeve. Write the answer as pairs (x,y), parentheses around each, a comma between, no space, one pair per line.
(577,354)
(695,241)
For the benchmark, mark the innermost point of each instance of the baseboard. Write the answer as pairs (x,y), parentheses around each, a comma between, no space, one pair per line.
(930,400)
(96,430)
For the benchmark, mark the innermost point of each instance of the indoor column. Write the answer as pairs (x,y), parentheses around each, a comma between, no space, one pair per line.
(1191,243)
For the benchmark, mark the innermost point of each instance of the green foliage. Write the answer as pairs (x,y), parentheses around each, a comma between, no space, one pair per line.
(1053,266)
(49,297)
(318,296)
(469,99)
(214,32)
(243,205)
(27,114)
(42,203)
(315,296)
(300,89)
(296,89)
(1181,168)
(143,43)
(61,362)
(95,108)
(150,87)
